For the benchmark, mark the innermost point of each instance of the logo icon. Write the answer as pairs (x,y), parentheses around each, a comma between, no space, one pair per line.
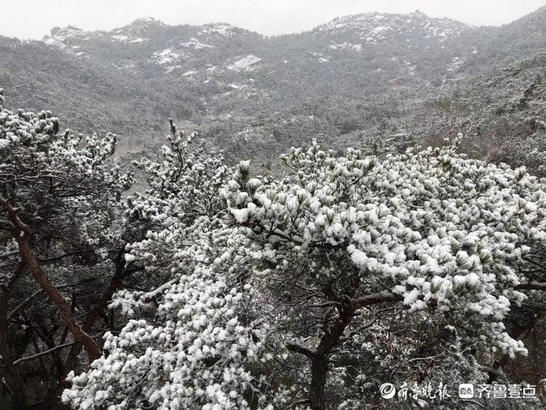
(387,390)
(466,390)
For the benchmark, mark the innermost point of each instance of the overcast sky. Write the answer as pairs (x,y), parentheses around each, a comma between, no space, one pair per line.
(34,18)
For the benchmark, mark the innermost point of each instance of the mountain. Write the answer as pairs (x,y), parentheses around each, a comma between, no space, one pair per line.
(501,112)
(377,28)
(352,78)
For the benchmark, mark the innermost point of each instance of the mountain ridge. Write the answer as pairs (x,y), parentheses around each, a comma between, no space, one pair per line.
(417,12)
(361,73)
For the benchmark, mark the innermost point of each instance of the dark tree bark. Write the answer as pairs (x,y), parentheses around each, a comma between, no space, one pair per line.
(320,360)
(319,371)
(22,236)
(320,357)
(8,372)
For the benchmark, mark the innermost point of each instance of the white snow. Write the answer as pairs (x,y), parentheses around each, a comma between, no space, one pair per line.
(321,58)
(167,56)
(120,37)
(240,215)
(456,63)
(170,69)
(359,258)
(380,29)
(247,63)
(222,29)
(346,46)
(60,36)
(369,30)
(195,44)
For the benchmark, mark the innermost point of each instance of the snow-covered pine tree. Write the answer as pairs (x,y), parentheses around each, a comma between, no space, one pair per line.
(59,226)
(191,340)
(337,263)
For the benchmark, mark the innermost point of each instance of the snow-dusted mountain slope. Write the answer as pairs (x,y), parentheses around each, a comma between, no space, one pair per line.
(359,72)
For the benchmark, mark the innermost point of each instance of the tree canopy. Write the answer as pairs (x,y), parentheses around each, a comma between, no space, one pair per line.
(276,292)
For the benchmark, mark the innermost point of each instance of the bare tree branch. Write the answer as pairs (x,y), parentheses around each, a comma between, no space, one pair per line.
(45,352)
(532,286)
(299,348)
(21,305)
(375,298)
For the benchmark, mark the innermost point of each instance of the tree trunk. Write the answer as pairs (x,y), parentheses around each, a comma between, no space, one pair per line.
(320,359)
(79,335)
(21,233)
(319,371)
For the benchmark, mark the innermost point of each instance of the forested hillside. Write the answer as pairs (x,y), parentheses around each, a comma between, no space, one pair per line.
(332,215)
(353,78)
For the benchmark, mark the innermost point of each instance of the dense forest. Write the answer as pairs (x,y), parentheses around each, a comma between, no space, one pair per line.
(196,261)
